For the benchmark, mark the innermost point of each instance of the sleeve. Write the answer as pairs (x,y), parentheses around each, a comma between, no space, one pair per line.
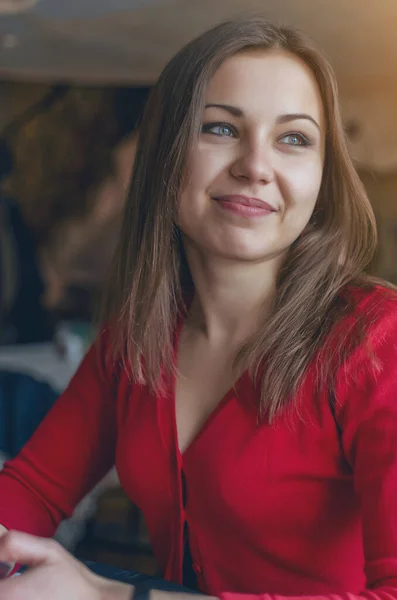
(69,453)
(367,414)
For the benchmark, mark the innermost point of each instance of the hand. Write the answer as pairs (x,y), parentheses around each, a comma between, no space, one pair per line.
(53,573)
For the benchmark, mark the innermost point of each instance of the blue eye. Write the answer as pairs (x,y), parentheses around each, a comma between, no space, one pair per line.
(219,129)
(295,139)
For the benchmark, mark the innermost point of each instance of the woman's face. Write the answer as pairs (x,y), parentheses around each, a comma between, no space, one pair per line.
(256,171)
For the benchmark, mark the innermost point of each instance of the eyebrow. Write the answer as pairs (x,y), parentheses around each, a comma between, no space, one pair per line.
(296,117)
(237,112)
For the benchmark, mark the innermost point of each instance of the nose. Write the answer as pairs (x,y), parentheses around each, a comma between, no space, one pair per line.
(254,163)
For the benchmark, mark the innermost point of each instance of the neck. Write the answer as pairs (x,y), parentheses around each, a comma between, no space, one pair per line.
(231,297)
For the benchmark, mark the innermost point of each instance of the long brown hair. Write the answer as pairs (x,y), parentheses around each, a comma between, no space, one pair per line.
(150,274)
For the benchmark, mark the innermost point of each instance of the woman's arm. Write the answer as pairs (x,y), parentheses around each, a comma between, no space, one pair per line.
(69,453)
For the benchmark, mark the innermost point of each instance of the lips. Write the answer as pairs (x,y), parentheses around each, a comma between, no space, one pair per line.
(245,201)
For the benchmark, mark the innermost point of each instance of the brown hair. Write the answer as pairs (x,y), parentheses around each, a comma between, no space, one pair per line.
(150,274)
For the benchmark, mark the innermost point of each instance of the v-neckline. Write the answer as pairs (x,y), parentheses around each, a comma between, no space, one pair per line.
(232,392)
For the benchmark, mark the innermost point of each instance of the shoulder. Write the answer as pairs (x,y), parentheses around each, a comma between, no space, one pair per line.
(373,319)
(366,383)
(375,308)
(113,356)
(100,362)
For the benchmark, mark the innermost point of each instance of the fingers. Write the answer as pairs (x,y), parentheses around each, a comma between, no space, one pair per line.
(17,547)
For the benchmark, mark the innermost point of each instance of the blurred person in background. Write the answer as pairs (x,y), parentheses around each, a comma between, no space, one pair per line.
(74,158)
(75,262)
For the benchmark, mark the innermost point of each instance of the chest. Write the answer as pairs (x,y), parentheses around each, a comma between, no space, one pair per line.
(205,376)
(287,475)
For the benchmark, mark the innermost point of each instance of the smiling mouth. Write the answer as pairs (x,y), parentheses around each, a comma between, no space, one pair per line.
(244,205)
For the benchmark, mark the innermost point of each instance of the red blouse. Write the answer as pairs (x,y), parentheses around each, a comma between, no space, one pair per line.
(292,509)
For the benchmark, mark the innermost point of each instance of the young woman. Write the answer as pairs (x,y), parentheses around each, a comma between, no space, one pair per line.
(245,382)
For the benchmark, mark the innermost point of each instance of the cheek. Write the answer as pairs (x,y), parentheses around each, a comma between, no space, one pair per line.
(302,187)
(205,167)
(207,164)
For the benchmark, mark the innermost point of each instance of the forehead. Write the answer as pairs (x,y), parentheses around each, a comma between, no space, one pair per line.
(268,82)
